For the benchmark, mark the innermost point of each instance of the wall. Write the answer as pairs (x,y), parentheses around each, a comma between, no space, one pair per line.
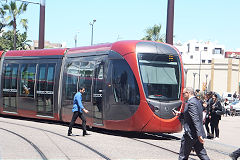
(222,75)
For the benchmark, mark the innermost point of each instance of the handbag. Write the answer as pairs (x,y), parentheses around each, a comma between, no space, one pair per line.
(222,112)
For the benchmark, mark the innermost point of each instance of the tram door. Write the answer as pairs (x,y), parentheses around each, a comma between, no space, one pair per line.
(45,86)
(98,94)
(10,87)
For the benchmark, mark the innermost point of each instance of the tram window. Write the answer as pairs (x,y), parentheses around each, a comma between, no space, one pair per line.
(28,72)
(125,88)
(85,79)
(50,77)
(161,77)
(42,73)
(71,80)
(79,74)
(10,76)
(10,85)
(7,76)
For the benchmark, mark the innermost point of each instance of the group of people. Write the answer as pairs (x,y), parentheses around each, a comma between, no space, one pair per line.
(192,118)
(212,111)
(193,121)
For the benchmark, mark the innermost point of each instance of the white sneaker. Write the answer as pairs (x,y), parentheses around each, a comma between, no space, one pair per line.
(217,138)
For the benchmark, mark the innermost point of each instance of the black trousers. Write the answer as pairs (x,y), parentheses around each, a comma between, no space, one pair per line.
(77,114)
(187,144)
(207,121)
(236,153)
(214,126)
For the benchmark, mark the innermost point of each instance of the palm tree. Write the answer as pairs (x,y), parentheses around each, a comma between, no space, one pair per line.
(153,34)
(13,13)
(3,21)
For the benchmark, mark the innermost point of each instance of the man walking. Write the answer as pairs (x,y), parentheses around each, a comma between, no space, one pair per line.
(234,155)
(193,127)
(77,110)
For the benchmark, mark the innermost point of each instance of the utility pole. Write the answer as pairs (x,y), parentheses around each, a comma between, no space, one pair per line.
(41,25)
(91,24)
(170,20)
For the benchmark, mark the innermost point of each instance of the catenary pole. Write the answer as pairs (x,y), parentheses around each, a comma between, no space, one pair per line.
(170,20)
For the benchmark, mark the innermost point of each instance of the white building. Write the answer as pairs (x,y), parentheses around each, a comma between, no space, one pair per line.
(193,51)
(206,67)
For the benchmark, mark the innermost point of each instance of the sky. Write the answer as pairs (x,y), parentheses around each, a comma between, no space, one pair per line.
(204,20)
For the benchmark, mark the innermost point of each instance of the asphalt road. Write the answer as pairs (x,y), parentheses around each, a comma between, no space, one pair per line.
(29,139)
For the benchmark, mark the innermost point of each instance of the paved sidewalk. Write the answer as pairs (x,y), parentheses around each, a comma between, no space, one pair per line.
(229,131)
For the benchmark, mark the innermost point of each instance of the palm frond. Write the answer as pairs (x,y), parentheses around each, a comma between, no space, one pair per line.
(24,22)
(154,33)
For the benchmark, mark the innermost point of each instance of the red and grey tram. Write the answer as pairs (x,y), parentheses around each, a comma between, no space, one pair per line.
(130,85)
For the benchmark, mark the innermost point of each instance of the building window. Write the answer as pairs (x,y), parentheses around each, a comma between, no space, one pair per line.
(191,57)
(205,48)
(203,61)
(196,48)
(217,51)
(209,61)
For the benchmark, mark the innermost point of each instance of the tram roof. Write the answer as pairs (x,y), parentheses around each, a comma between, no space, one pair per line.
(122,47)
(36,53)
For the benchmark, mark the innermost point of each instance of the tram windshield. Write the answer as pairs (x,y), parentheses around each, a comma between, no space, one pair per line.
(160,75)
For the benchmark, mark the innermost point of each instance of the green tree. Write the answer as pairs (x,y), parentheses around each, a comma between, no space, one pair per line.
(13,13)
(6,42)
(153,34)
(2,21)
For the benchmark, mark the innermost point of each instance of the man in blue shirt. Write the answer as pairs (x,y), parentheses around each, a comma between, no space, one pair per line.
(78,110)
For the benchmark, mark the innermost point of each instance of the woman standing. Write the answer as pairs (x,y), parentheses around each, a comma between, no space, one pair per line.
(216,107)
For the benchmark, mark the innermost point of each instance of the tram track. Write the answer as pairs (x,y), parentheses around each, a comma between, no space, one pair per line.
(162,136)
(139,138)
(28,141)
(66,137)
(207,148)
(150,136)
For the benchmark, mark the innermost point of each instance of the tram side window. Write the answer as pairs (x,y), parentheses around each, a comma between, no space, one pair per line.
(7,77)
(125,88)
(10,85)
(28,72)
(85,79)
(71,80)
(50,77)
(79,74)
(10,77)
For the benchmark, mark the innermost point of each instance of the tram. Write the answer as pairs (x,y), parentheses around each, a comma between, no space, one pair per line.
(130,85)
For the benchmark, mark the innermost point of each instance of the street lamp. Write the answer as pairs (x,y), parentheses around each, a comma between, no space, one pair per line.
(92,30)
(75,38)
(194,74)
(41,22)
